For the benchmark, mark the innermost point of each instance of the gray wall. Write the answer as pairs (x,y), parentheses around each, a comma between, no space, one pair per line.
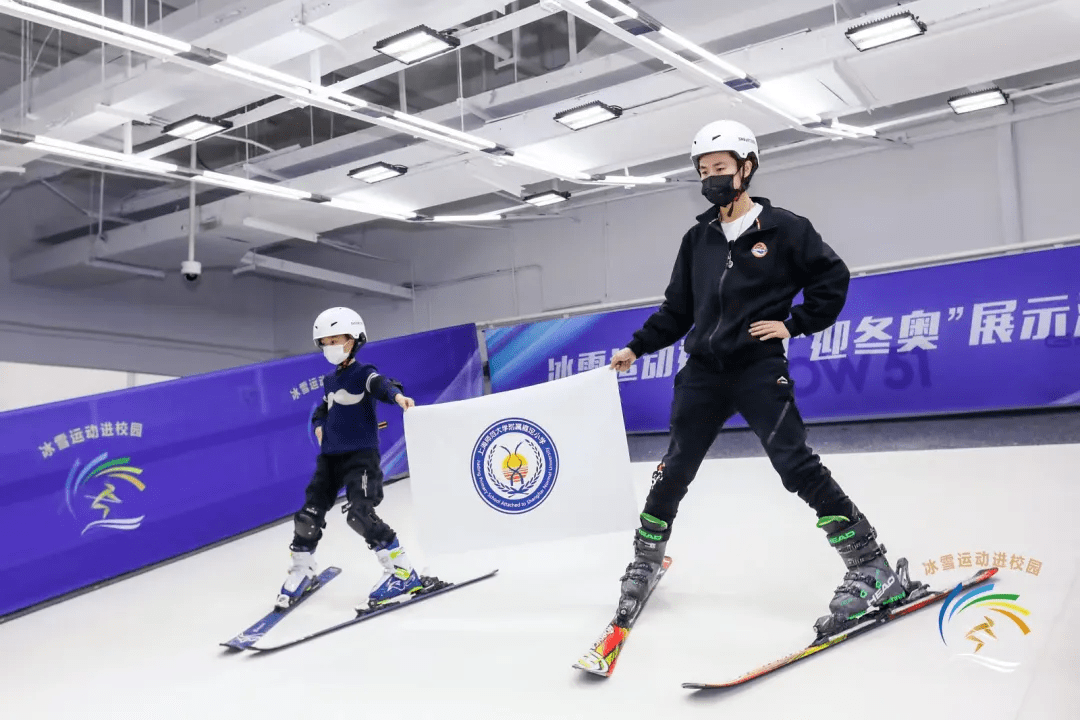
(942,195)
(139,325)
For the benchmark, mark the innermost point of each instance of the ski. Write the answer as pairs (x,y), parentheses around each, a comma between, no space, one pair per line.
(433,587)
(600,659)
(256,632)
(879,619)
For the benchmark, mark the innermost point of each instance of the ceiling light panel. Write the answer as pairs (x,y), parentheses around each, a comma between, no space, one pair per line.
(979,100)
(588,115)
(419,43)
(885,31)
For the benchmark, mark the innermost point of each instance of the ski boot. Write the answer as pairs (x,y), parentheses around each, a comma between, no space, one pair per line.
(650,543)
(870,582)
(299,580)
(399,580)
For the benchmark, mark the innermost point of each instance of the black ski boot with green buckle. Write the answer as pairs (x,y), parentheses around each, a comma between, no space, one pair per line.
(650,543)
(869,583)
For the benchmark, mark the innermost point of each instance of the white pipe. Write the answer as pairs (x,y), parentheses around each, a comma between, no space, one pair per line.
(191,209)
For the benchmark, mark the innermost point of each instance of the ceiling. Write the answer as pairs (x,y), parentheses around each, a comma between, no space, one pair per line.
(78,223)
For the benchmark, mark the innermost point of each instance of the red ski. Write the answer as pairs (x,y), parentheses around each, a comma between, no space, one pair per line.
(600,659)
(871,622)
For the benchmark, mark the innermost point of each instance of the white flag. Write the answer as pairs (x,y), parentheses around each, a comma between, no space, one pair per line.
(544,462)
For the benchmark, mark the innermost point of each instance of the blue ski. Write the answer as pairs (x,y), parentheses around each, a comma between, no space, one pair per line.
(256,632)
(432,587)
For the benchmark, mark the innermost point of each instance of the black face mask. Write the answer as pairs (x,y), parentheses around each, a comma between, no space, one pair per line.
(719,189)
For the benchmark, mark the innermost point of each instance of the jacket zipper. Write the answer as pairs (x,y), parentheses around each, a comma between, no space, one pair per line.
(720,289)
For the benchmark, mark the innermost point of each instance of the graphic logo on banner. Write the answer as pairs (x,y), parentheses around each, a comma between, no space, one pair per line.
(985,602)
(99,488)
(514,466)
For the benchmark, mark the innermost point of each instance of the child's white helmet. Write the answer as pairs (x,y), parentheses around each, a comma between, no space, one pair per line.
(339,321)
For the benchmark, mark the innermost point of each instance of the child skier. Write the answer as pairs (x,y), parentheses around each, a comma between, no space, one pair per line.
(347,430)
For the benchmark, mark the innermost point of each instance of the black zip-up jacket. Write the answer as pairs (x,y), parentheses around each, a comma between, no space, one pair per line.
(718,289)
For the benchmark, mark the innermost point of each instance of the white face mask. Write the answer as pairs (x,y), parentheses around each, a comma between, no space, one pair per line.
(335,354)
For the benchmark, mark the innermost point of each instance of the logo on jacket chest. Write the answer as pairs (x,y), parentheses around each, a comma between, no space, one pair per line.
(759,250)
(342,397)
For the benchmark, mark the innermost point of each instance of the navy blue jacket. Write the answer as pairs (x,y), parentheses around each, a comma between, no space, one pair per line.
(347,413)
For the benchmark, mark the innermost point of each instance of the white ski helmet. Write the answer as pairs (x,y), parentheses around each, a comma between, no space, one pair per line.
(724,135)
(339,321)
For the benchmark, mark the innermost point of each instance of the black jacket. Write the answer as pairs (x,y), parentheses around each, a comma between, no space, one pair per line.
(717,290)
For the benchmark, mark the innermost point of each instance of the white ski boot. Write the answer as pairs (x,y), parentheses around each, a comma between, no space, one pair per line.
(301,576)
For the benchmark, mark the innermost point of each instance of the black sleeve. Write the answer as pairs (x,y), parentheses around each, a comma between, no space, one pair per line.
(825,280)
(675,316)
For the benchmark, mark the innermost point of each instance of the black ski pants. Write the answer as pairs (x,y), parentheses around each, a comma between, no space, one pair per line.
(360,473)
(764,394)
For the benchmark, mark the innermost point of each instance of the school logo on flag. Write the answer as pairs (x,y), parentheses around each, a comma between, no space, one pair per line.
(514,466)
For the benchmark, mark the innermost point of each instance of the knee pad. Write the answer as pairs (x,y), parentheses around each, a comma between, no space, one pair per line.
(362,518)
(309,523)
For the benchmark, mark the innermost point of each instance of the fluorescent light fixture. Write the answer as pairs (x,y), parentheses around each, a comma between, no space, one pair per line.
(701,52)
(633,180)
(419,43)
(90,29)
(196,127)
(588,115)
(417,131)
(377,172)
(850,130)
(621,7)
(548,197)
(548,167)
(885,31)
(166,43)
(99,155)
(348,99)
(478,142)
(489,217)
(254,186)
(381,209)
(64,148)
(978,100)
(268,73)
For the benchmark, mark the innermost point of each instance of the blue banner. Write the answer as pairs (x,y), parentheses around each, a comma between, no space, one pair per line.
(992,334)
(96,487)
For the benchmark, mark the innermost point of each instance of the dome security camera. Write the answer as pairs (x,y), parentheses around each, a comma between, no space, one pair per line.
(191,270)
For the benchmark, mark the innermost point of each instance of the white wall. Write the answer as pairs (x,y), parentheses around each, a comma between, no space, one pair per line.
(25,384)
(921,200)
